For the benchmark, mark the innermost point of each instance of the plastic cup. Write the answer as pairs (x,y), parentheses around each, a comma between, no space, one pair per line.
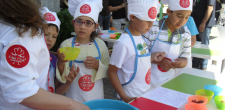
(111,31)
(70,53)
(112,36)
(214,88)
(193,106)
(197,99)
(220,102)
(206,93)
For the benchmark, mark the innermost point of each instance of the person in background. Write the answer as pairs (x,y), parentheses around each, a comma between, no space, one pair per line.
(204,16)
(25,60)
(104,16)
(117,7)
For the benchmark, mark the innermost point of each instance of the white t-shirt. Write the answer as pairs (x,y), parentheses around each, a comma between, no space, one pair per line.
(24,67)
(123,55)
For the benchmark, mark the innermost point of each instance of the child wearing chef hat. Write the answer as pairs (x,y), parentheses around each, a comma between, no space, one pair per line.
(130,63)
(51,33)
(93,59)
(169,35)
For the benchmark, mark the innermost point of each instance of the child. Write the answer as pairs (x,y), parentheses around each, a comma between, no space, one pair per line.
(93,59)
(25,60)
(51,33)
(169,35)
(130,63)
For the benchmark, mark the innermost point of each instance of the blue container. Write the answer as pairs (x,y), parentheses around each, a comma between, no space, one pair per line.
(214,88)
(111,31)
(108,104)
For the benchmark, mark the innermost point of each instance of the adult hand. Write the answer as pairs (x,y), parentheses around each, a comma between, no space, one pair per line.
(91,63)
(122,5)
(202,27)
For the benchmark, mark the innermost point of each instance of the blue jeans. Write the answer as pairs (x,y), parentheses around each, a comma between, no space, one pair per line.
(204,38)
(104,21)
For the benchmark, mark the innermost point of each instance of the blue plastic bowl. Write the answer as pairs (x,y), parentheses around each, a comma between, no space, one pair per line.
(108,104)
(214,88)
(111,31)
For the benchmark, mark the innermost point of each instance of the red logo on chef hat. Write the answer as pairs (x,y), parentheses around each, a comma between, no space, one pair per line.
(17,56)
(184,3)
(160,68)
(152,12)
(148,77)
(50,89)
(85,83)
(49,17)
(85,9)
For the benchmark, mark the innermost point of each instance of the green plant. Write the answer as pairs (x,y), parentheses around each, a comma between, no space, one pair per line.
(66,28)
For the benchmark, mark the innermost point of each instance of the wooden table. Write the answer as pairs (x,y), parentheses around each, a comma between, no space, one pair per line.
(178,84)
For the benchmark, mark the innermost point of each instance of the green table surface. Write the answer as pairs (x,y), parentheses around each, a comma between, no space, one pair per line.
(206,51)
(187,83)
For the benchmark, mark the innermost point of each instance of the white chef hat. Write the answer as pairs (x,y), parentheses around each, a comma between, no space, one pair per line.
(50,17)
(146,10)
(176,5)
(90,8)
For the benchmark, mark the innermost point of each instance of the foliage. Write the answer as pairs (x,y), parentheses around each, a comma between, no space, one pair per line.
(66,28)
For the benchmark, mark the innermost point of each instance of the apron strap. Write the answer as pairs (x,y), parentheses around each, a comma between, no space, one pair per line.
(136,59)
(99,53)
(157,35)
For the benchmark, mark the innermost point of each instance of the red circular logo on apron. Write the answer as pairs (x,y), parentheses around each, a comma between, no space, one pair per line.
(184,3)
(148,77)
(17,56)
(160,69)
(49,17)
(50,89)
(85,9)
(85,83)
(152,12)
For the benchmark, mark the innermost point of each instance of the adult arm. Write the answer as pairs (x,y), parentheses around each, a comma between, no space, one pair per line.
(44,100)
(207,15)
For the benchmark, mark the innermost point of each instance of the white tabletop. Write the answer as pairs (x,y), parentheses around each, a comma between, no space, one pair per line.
(205,74)
(217,48)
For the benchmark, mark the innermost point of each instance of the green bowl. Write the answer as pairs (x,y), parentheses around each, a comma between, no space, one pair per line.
(220,102)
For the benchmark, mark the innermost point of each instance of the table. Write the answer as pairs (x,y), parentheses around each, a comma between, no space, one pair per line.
(153,94)
(212,53)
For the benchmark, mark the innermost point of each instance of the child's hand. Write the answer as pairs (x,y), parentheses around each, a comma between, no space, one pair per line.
(72,74)
(180,62)
(157,56)
(166,64)
(91,63)
(61,57)
(127,99)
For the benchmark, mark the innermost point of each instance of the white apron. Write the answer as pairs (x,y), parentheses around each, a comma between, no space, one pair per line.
(51,78)
(172,52)
(82,89)
(140,81)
